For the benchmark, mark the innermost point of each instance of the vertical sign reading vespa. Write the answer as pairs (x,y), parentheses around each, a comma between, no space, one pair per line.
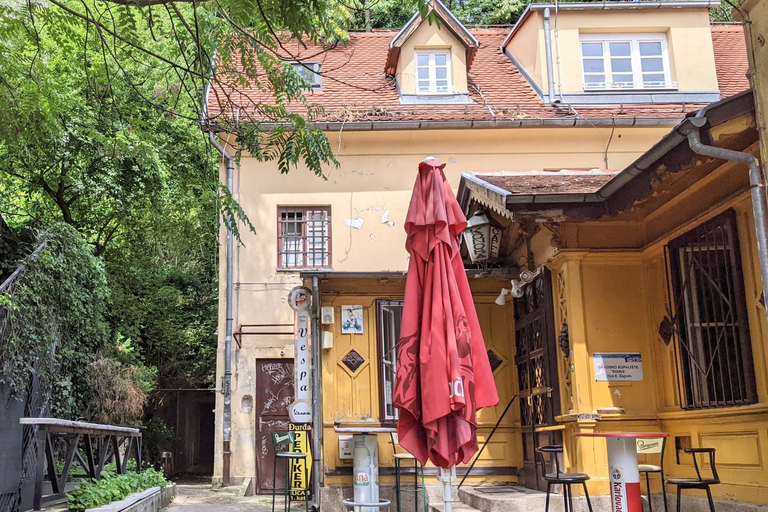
(300,411)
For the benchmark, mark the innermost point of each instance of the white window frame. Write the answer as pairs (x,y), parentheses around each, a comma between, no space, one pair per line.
(304,69)
(432,72)
(634,41)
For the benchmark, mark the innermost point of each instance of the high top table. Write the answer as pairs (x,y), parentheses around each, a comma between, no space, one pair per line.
(623,473)
(365,463)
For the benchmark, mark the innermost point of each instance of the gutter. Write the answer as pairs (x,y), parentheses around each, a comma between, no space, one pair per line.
(226,384)
(548,51)
(481,124)
(317,397)
(757,187)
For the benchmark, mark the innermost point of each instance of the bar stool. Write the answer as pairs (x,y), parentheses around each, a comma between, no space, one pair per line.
(558,477)
(653,445)
(417,468)
(282,442)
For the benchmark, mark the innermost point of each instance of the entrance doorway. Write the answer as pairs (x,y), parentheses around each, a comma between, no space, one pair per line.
(274,395)
(536,353)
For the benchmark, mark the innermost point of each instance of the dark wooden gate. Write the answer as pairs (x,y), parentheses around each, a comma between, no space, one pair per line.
(536,352)
(274,395)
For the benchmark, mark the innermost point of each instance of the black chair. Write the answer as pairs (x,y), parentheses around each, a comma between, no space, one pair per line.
(401,456)
(282,443)
(559,477)
(699,482)
(652,445)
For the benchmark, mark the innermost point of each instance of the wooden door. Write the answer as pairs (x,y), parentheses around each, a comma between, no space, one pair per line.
(274,395)
(535,357)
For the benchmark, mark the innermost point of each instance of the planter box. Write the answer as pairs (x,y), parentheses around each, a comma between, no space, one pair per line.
(151,500)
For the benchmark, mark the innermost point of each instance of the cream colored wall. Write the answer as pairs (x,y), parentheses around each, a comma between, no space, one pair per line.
(431,36)
(691,57)
(375,179)
(527,47)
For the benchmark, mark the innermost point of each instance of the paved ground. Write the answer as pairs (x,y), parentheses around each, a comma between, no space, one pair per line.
(198,496)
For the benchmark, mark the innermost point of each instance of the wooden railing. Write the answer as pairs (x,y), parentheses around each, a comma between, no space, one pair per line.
(90,444)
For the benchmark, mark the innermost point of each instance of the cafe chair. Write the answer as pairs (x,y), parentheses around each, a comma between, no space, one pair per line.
(282,443)
(551,452)
(699,482)
(401,455)
(654,446)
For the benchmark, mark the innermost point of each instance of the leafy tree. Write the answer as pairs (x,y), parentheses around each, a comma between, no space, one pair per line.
(55,320)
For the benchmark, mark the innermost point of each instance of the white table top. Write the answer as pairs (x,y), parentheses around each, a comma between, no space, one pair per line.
(363,429)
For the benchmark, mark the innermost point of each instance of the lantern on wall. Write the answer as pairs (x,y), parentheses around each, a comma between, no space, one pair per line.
(483,239)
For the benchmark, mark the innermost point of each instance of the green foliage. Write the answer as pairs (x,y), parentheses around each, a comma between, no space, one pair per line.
(56,320)
(112,487)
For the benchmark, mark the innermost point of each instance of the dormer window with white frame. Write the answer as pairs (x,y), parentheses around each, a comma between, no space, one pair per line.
(625,61)
(310,72)
(433,72)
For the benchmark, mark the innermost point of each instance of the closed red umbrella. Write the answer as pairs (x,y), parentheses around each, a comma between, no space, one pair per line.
(443,373)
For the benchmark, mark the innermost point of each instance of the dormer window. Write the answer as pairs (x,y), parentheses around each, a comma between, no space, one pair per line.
(433,72)
(625,61)
(310,73)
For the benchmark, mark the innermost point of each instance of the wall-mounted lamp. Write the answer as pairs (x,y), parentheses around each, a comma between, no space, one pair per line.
(501,300)
(482,239)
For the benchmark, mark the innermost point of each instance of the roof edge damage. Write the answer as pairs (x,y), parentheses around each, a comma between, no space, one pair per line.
(474,187)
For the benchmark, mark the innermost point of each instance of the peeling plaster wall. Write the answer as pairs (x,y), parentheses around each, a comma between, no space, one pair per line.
(368,195)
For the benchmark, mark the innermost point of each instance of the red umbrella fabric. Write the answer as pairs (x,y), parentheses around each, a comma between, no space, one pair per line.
(443,374)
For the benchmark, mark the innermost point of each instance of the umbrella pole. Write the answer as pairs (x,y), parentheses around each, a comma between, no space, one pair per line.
(447,476)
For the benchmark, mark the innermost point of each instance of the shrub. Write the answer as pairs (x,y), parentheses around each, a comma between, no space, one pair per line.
(95,493)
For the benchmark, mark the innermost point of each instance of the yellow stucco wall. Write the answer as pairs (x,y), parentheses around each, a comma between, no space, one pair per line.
(689,41)
(374,183)
(432,36)
(614,296)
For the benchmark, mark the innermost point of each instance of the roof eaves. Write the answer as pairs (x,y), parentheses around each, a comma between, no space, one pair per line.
(716,113)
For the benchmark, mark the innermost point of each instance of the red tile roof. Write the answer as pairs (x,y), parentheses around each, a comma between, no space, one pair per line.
(355,87)
(731,59)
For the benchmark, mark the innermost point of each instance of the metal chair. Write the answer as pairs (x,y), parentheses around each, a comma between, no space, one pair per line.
(559,477)
(699,482)
(653,445)
(282,443)
(417,468)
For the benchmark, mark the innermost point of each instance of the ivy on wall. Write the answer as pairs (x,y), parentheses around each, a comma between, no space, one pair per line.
(54,321)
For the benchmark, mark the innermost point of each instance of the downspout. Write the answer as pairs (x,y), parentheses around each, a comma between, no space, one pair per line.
(548,51)
(227,381)
(317,403)
(757,188)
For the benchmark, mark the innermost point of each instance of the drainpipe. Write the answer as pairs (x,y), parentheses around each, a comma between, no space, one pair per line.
(548,51)
(227,383)
(757,187)
(317,404)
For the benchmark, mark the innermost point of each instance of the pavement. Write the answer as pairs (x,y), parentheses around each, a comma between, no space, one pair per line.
(199,496)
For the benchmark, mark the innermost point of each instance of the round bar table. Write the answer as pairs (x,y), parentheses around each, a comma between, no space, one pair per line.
(365,464)
(623,474)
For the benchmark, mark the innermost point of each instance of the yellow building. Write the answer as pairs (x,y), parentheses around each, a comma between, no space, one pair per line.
(577,87)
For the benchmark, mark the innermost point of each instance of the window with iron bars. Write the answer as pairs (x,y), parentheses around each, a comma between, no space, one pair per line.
(304,237)
(711,324)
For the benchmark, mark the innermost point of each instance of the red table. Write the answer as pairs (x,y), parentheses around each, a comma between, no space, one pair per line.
(624,476)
